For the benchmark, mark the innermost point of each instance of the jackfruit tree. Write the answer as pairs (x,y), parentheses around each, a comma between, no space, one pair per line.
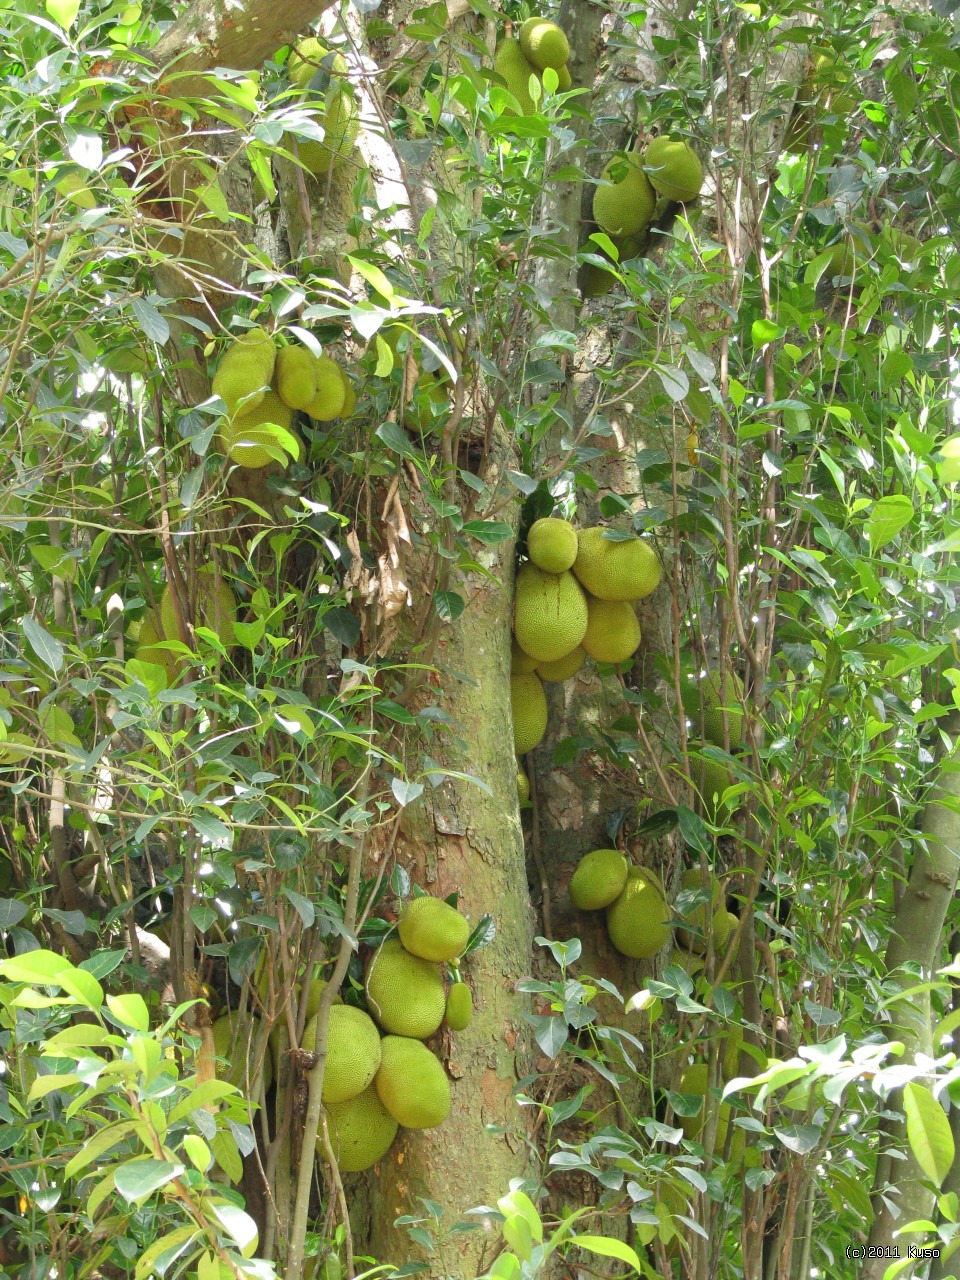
(479,677)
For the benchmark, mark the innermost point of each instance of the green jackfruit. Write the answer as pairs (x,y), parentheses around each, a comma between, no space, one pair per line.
(698,915)
(638,920)
(549,613)
(673,168)
(552,544)
(613,630)
(563,668)
(233,1038)
(245,370)
(353,1052)
(459,1007)
(151,634)
(616,569)
(412,1084)
(340,122)
(404,993)
(216,609)
(724,925)
(624,200)
(564,79)
(715,702)
(732,1046)
(714,779)
(599,879)
(523,788)
(690,961)
(296,376)
(361,1131)
(311,57)
(243,438)
(521,664)
(433,930)
(328,402)
(349,395)
(544,44)
(529,704)
(694,1081)
(515,71)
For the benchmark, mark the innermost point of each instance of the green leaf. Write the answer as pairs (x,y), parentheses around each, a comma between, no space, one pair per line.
(449,605)
(608,1248)
(516,1232)
(40,967)
(130,1010)
(43,644)
(239,1225)
(488,532)
(63,12)
(888,517)
(764,331)
(151,321)
(675,382)
(518,1203)
(928,1132)
(141,1178)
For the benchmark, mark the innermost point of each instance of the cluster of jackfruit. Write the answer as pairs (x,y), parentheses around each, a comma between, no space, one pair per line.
(216,609)
(262,386)
(573,600)
(322,73)
(714,698)
(539,44)
(638,918)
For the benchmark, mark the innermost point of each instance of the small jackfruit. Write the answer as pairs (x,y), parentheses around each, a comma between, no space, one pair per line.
(673,168)
(694,1081)
(245,371)
(523,788)
(714,704)
(564,79)
(624,200)
(521,664)
(515,70)
(433,930)
(404,993)
(459,1007)
(552,544)
(216,609)
(151,634)
(613,630)
(361,1131)
(544,44)
(412,1084)
(690,961)
(732,1046)
(529,704)
(698,915)
(243,438)
(599,879)
(638,920)
(549,613)
(330,396)
(353,1052)
(233,1037)
(563,668)
(296,376)
(724,925)
(340,122)
(349,395)
(615,569)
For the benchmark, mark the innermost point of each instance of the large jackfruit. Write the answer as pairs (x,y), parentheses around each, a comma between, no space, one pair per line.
(433,930)
(510,64)
(312,60)
(599,879)
(624,200)
(296,376)
(243,438)
(245,371)
(314,67)
(521,664)
(613,631)
(529,704)
(361,1131)
(694,1081)
(412,1084)
(353,1052)
(331,393)
(544,44)
(638,920)
(615,569)
(549,613)
(699,914)
(673,168)
(233,1038)
(404,993)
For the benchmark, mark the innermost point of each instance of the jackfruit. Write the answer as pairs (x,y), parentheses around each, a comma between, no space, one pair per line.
(296,376)
(349,395)
(510,64)
(433,930)
(151,634)
(615,569)
(412,1084)
(715,701)
(552,544)
(330,396)
(404,993)
(638,920)
(694,1081)
(544,44)
(690,961)
(216,609)
(714,779)
(564,80)
(725,924)
(521,664)
(309,58)
(523,788)
(613,631)
(340,122)
(529,704)
(599,879)
(732,1046)
(243,438)
(624,200)
(563,668)
(353,1052)
(549,613)
(698,915)
(459,1007)
(361,1131)
(233,1037)
(245,371)
(673,168)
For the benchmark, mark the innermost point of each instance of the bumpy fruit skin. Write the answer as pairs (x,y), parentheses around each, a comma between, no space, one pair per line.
(724,926)
(433,930)
(638,922)
(216,609)
(353,1052)
(552,544)
(616,570)
(731,698)
(549,613)
(694,1081)
(412,1084)
(296,376)
(232,1036)
(521,664)
(310,57)
(523,788)
(349,395)
(673,168)
(624,207)
(338,119)
(361,1131)
(459,1007)
(330,396)
(151,633)
(529,704)
(245,371)
(690,961)
(714,780)
(544,44)
(613,631)
(243,438)
(565,80)
(698,915)
(404,993)
(599,879)
(510,64)
(563,668)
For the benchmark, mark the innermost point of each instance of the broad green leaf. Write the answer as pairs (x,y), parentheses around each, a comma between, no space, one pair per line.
(928,1132)
(157,1258)
(608,1248)
(506,1267)
(63,11)
(239,1225)
(141,1178)
(519,1203)
(47,648)
(130,1010)
(888,517)
(41,966)
(516,1232)
(98,1145)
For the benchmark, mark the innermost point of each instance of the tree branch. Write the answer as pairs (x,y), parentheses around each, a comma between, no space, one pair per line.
(216,33)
